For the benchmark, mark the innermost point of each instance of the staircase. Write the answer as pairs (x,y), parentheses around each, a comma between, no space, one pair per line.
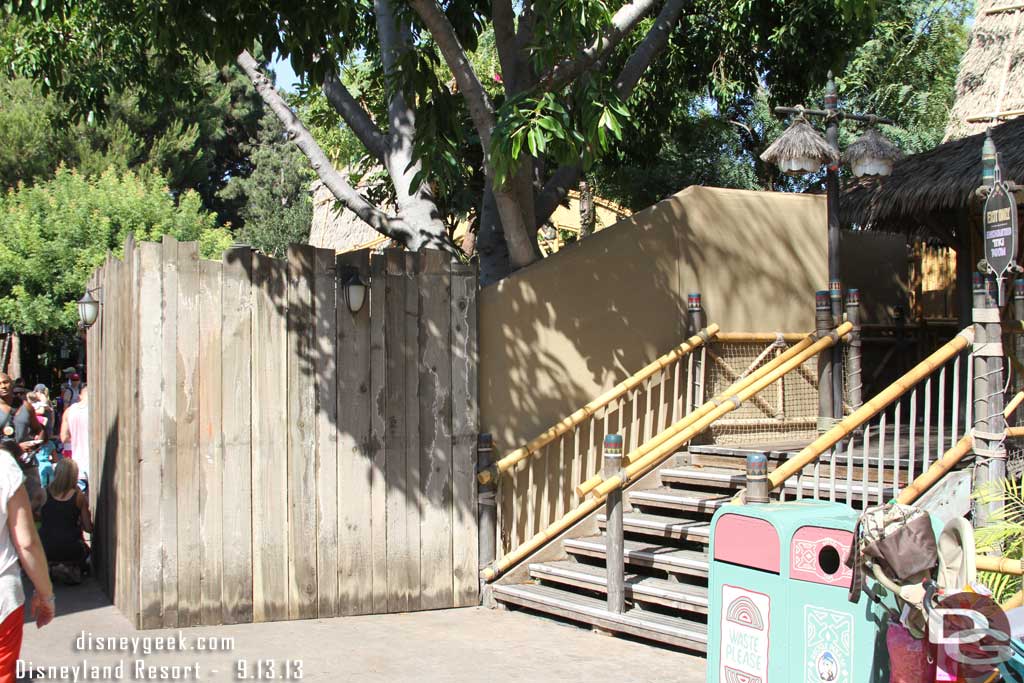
(667,531)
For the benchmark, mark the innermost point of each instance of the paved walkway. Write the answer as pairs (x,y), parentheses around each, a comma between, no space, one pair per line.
(445,645)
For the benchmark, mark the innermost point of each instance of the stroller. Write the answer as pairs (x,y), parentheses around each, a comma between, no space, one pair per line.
(896,545)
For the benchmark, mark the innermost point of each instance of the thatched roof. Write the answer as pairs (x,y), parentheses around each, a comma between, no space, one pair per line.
(991,77)
(800,140)
(927,191)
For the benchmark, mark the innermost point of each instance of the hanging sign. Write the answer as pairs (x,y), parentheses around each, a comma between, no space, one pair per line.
(999,226)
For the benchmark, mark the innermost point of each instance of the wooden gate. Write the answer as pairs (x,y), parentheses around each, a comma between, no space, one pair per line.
(262,453)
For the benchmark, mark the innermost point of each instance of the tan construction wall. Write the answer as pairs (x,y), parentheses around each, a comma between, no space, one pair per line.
(555,334)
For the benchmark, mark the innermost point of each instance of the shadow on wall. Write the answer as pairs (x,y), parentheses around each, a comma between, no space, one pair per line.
(556,334)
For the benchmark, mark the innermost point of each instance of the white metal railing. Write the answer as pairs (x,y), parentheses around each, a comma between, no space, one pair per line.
(888,451)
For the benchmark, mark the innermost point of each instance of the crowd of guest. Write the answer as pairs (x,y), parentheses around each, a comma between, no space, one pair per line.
(46,434)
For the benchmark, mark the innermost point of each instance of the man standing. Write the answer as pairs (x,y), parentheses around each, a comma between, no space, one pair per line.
(18,423)
(74,430)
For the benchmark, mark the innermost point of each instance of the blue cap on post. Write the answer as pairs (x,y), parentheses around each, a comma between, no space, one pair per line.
(693,302)
(821,299)
(613,443)
(757,478)
(1018,289)
(757,464)
(977,281)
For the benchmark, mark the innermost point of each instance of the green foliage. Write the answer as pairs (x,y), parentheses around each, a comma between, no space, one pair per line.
(275,197)
(56,232)
(1005,531)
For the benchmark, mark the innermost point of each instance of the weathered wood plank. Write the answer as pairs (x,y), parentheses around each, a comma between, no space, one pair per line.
(134,453)
(378,434)
(465,418)
(301,428)
(269,443)
(236,383)
(413,482)
(325,351)
(211,442)
(435,418)
(356,472)
(168,538)
(395,440)
(189,544)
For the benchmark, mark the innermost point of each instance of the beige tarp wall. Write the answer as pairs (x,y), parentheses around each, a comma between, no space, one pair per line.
(557,333)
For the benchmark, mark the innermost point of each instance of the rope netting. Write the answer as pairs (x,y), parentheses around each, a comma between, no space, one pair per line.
(787,411)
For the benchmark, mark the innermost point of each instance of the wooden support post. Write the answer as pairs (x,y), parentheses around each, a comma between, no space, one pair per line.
(1018,312)
(697,320)
(853,360)
(487,512)
(757,478)
(822,326)
(989,423)
(614,559)
(835,292)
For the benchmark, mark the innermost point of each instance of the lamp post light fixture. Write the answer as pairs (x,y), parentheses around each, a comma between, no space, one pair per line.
(801,149)
(88,309)
(355,291)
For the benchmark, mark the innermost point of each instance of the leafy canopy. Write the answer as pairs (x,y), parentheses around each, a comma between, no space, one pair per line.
(56,232)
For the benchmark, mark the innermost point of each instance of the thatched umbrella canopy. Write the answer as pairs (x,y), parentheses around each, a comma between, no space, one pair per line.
(798,146)
(990,84)
(927,193)
(872,154)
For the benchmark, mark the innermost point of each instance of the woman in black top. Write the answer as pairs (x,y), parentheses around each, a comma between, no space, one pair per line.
(65,515)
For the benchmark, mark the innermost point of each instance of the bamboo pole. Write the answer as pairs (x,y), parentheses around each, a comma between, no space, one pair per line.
(759,337)
(656,456)
(1014,601)
(1014,432)
(1000,565)
(640,467)
(590,484)
(1013,404)
(938,469)
(845,426)
(569,423)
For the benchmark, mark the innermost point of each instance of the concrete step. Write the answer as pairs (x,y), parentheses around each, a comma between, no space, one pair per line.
(640,554)
(582,608)
(639,588)
(732,480)
(681,500)
(659,526)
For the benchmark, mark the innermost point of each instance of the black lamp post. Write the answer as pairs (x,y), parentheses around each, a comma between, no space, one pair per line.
(801,149)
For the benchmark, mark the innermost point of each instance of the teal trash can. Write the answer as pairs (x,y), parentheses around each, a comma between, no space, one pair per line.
(778,598)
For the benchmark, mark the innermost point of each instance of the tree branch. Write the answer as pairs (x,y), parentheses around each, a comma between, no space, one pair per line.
(355,116)
(649,48)
(503,18)
(335,182)
(622,23)
(566,177)
(480,109)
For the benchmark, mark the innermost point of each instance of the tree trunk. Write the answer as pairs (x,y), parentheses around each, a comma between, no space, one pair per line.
(490,242)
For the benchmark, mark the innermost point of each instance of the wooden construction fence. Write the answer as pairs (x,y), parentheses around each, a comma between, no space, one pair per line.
(261,453)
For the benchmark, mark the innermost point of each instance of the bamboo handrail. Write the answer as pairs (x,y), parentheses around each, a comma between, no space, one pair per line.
(1000,565)
(1014,601)
(557,527)
(844,427)
(590,484)
(759,337)
(936,471)
(569,423)
(1014,432)
(643,465)
(1013,404)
